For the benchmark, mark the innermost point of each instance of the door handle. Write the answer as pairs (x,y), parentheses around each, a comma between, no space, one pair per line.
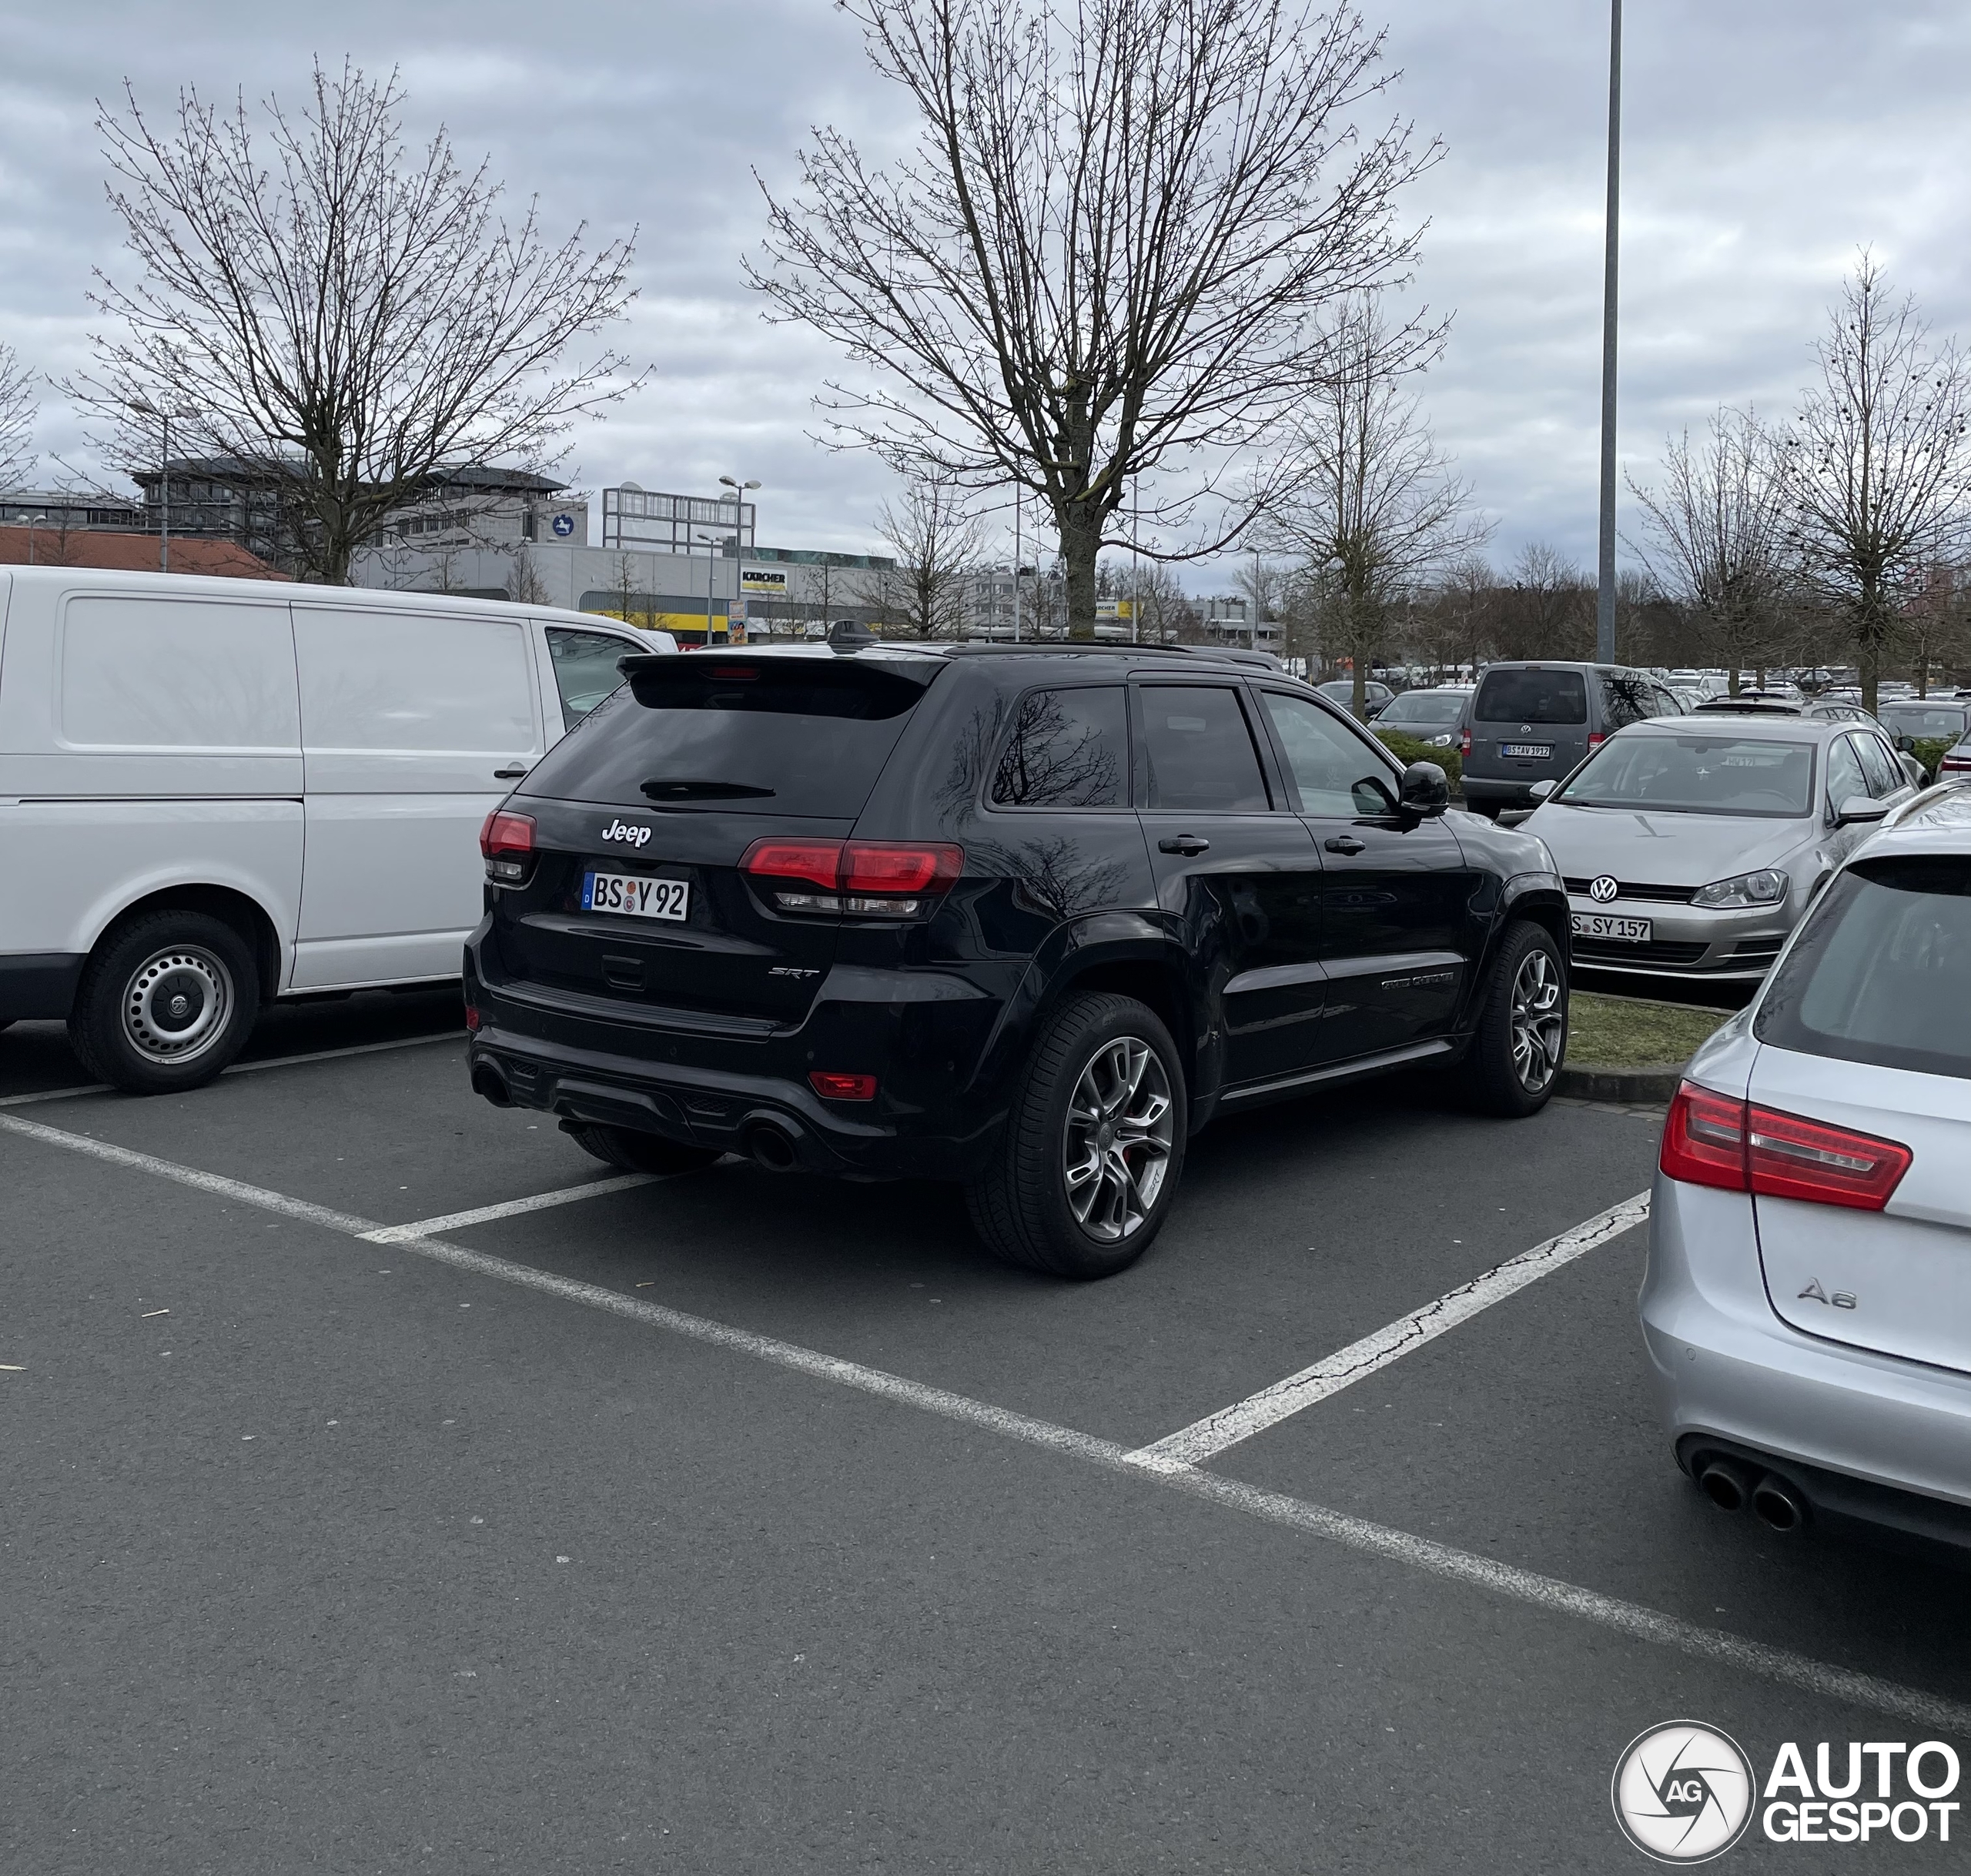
(1344,843)
(508,774)
(1185,844)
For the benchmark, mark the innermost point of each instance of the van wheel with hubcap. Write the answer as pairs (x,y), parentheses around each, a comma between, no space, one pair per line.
(166,1003)
(1088,1168)
(1516,1053)
(629,1150)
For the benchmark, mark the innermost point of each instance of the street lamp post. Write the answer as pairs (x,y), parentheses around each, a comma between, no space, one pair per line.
(34,522)
(738,489)
(145,408)
(1604,604)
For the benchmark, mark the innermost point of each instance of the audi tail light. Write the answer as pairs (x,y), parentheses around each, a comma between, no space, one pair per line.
(866,879)
(506,841)
(1711,1140)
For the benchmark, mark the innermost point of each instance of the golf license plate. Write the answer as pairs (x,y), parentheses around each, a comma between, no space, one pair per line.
(634,897)
(1596,925)
(1534,752)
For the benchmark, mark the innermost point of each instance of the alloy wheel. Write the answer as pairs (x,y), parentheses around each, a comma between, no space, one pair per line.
(1115,1147)
(1539,1021)
(177,1004)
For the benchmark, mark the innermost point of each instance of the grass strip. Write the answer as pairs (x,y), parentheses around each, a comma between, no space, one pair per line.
(1631,1033)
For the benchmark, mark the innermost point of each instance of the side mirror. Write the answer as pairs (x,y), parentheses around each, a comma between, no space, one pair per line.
(1371,710)
(1541,789)
(1859,808)
(1426,789)
(1906,743)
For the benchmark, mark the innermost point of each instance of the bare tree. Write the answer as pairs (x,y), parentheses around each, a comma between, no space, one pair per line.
(939,545)
(1163,610)
(1108,248)
(1371,505)
(1716,537)
(345,322)
(17,415)
(1877,464)
(1546,606)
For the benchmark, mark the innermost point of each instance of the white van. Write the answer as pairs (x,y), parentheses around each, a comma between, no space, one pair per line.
(217,792)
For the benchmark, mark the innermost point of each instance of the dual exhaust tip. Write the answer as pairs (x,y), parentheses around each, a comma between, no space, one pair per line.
(1733,1486)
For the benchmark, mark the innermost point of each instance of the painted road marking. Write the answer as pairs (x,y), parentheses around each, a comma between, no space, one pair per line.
(1204,1440)
(485,1214)
(1822,1679)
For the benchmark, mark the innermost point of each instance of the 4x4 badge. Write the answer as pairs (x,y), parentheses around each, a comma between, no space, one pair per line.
(1841,1299)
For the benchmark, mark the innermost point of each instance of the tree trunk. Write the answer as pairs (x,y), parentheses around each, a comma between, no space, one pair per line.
(1081,546)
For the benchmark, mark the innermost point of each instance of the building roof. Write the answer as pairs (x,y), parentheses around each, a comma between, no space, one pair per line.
(136,553)
(234,469)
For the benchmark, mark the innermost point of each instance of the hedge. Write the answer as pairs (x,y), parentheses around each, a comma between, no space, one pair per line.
(1408,749)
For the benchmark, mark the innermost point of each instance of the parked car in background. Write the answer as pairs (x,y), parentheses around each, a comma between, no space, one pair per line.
(1376,697)
(1926,727)
(1533,721)
(1431,717)
(1021,918)
(214,793)
(1957,762)
(1691,848)
(1807,1303)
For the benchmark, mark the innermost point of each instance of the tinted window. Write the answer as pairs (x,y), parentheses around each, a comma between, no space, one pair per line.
(1696,773)
(1332,773)
(1625,699)
(1532,696)
(584,669)
(1882,971)
(1196,750)
(1924,720)
(1880,770)
(773,736)
(1067,749)
(1844,779)
(1440,709)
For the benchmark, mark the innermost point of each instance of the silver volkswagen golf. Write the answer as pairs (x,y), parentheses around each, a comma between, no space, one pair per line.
(1692,845)
(1807,1306)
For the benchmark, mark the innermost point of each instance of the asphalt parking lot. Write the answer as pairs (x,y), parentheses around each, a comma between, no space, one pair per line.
(737,1523)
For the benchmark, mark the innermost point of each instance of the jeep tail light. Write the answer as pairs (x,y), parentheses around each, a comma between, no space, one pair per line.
(1710,1139)
(833,1087)
(506,840)
(867,879)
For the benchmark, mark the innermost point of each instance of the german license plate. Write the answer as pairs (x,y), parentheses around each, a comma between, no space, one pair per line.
(1533,752)
(1595,925)
(634,897)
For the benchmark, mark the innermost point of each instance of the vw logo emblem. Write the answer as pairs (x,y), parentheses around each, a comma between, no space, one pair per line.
(1602,890)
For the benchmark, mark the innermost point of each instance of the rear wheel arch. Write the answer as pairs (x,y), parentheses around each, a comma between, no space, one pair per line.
(1157,984)
(227,904)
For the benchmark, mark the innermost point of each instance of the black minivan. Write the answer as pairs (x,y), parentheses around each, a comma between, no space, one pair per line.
(1021,918)
(1536,720)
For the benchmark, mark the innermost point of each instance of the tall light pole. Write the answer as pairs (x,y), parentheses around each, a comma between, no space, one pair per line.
(738,489)
(164,416)
(34,521)
(1605,603)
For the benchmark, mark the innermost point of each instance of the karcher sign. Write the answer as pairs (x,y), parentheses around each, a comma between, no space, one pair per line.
(766,582)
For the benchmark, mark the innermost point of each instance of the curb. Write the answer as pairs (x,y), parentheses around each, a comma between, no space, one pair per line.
(1656,1083)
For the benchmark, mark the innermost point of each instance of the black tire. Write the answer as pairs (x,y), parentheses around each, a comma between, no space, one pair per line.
(1513,1063)
(1021,1205)
(166,1002)
(628,1151)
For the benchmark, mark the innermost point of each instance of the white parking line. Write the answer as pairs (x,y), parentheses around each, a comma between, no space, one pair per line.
(1204,1440)
(485,1214)
(53,1094)
(1822,1679)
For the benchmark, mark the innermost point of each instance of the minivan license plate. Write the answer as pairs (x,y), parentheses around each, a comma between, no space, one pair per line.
(1534,752)
(633,898)
(1595,925)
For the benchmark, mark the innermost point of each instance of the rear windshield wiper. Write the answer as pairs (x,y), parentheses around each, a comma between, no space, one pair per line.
(671,788)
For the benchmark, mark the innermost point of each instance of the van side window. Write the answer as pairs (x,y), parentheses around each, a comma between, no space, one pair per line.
(161,674)
(1626,697)
(584,668)
(1067,749)
(418,681)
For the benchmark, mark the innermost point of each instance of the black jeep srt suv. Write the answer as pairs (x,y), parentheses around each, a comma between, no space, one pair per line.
(1024,917)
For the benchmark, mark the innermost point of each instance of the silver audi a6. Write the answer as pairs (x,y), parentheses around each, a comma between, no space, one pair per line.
(1691,845)
(1808,1302)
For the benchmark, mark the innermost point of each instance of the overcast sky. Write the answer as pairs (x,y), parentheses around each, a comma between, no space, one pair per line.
(1766,140)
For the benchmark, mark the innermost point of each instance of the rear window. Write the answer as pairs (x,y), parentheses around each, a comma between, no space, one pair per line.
(1924,721)
(1882,971)
(794,736)
(1698,774)
(1439,708)
(1531,696)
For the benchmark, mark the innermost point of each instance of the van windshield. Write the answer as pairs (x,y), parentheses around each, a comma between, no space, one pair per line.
(804,737)
(1697,774)
(1882,971)
(1531,696)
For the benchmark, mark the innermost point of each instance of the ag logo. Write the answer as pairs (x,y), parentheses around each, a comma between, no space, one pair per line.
(1602,890)
(629,836)
(1683,1792)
